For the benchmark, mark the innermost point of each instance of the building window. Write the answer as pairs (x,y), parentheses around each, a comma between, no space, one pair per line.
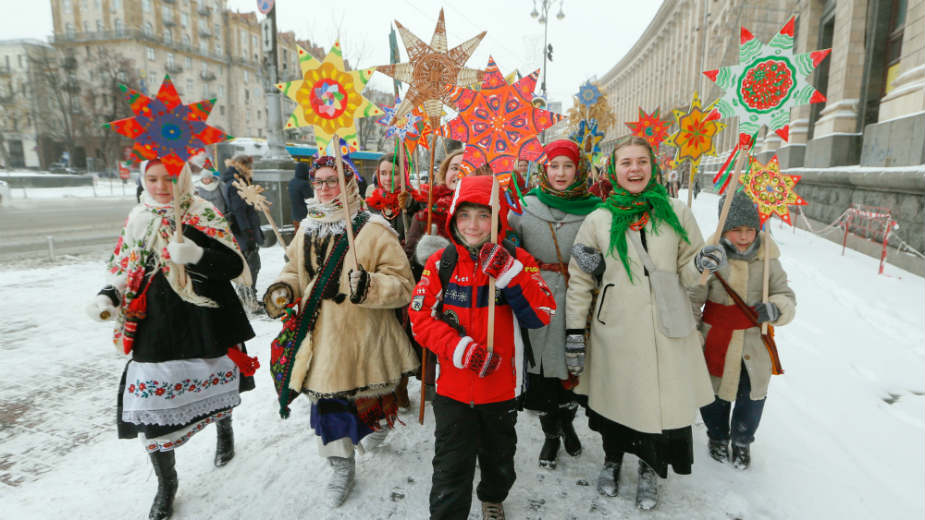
(218,47)
(184,19)
(205,68)
(189,87)
(150,53)
(117,25)
(145,5)
(205,91)
(115,5)
(189,63)
(221,91)
(221,110)
(99,25)
(204,46)
(170,59)
(86,27)
(894,43)
(246,77)
(66,6)
(69,29)
(168,36)
(149,29)
(186,40)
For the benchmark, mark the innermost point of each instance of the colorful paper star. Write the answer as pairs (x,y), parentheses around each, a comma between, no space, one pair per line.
(328,98)
(498,122)
(588,137)
(588,94)
(166,129)
(767,82)
(430,68)
(696,129)
(650,127)
(770,189)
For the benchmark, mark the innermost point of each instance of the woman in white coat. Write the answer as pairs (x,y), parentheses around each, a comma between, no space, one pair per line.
(644,372)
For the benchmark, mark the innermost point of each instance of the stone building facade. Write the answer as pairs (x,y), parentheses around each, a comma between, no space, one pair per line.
(864,145)
(21,105)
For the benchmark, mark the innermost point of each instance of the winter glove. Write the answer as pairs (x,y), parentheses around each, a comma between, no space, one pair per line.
(277,297)
(428,245)
(359,285)
(495,260)
(589,259)
(575,351)
(101,308)
(475,357)
(186,252)
(710,258)
(767,312)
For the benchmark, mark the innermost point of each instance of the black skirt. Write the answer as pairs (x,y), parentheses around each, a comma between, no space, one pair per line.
(546,394)
(673,448)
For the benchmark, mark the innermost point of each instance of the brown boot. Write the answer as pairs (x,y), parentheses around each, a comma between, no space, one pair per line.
(401,394)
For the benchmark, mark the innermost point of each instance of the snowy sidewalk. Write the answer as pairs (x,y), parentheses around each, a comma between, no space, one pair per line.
(841,435)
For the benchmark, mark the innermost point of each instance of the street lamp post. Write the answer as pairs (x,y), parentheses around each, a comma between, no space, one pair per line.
(542,16)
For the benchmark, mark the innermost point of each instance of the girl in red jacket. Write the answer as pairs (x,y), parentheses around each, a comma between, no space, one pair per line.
(476,403)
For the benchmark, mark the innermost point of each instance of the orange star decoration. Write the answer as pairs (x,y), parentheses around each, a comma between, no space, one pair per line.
(696,129)
(430,68)
(650,127)
(770,189)
(329,98)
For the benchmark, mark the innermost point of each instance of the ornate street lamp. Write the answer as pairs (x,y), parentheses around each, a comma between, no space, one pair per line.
(542,16)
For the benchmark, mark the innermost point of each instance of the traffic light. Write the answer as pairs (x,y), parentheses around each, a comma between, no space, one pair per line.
(549,52)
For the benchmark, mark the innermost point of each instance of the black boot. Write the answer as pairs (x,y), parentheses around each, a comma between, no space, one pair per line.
(608,481)
(164,463)
(719,450)
(741,456)
(646,487)
(549,453)
(569,437)
(224,447)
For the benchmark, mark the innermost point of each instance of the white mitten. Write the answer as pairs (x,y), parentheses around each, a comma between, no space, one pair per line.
(186,252)
(101,308)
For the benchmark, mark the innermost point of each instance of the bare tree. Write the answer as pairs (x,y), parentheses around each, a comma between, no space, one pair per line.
(102,100)
(56,73)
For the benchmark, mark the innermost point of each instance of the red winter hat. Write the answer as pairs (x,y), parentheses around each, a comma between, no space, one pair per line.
(562,147)
(477,190)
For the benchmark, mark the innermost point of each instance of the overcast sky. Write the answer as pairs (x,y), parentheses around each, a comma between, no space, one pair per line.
(592,37)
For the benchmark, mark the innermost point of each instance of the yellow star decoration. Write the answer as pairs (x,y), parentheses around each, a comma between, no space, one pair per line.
(329,98)
(696,130)
(770,189)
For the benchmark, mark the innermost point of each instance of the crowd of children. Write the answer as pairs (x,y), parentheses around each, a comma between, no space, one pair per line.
(589,298)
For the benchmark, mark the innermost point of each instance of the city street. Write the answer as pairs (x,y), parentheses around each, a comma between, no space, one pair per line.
(77,225)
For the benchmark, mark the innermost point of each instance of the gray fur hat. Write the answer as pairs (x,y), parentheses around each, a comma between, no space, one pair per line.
(742,212)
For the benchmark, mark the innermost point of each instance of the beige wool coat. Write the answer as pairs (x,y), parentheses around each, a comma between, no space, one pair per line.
(634,374)
(354,350)
(745,277)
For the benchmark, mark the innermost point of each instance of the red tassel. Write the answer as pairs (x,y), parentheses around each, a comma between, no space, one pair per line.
(246,364)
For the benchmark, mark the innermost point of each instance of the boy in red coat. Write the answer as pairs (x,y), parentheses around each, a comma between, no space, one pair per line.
(476,403)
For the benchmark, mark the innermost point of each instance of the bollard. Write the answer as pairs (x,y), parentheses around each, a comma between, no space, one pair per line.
(51,248)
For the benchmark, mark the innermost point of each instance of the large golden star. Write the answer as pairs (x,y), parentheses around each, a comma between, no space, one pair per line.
(328,98)
(696,129)
(430,68)
(771,190)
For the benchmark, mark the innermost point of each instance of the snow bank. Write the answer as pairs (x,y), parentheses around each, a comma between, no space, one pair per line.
(841,435)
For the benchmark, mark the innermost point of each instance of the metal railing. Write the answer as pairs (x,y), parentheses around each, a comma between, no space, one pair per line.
(206,75)
(173,68)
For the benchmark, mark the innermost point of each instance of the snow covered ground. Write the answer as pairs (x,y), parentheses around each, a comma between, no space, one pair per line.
(841,435)
(102,188)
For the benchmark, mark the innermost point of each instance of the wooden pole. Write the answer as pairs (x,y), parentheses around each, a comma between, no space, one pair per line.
(730,192)
(690,183)
(495,213)
(252,194)
(178,221)
(342,181)
(766,276)
(401,173)
(425,354)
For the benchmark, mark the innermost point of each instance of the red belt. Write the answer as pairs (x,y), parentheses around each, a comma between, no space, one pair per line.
(556,267)
(723,320)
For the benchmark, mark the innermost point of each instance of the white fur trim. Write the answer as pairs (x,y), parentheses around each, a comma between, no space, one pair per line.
(459,351)
(502,281)
(379,219)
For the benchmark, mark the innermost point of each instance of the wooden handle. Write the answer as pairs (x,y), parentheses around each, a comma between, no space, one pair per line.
(690,184)
(401,173)
(766,278)
(342,181)
(495,212)
(430,180)
(178,232)
(730,193)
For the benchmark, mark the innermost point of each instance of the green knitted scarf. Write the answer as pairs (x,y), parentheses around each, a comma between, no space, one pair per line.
(626,208)
(575,199)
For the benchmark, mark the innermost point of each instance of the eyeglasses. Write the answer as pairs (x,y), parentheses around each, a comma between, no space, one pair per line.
(318,183)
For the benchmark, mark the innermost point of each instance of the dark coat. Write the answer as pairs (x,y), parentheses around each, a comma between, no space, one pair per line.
(300,189)
(242,217)
(176,329)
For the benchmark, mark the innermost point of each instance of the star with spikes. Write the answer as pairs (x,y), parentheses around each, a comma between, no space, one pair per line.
(767,82)
(404,128)
(430,68)
(498,122)
(696,129)
(650,127)
(166,129)
(328,98)
(588,137)
(770,189)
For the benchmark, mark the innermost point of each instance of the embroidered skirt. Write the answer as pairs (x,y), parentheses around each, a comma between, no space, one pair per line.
(169,401)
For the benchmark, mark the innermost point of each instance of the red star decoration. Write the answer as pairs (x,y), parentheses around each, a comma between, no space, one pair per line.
(650,127)
(166,129)
(499,122)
